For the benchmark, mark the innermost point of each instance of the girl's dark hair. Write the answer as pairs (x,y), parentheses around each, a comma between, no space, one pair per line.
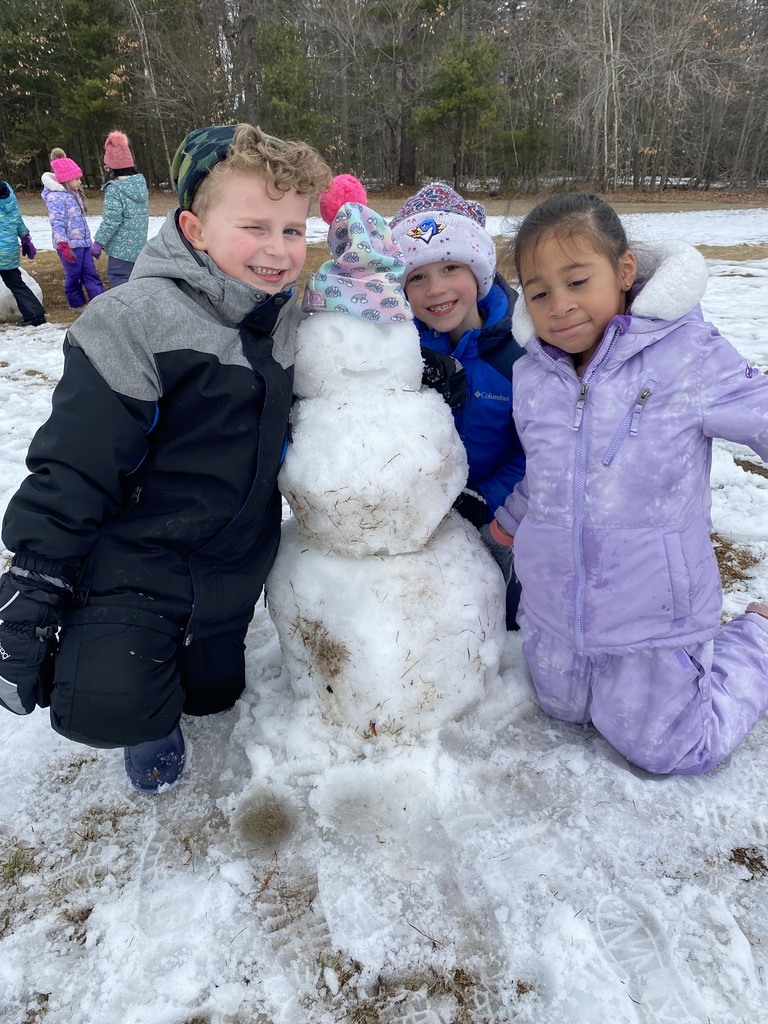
(117,172)
(577,213)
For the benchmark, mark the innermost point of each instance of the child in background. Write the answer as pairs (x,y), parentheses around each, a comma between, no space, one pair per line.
(13,231)
(151,515)
(48,178)
(617,400)
(71,235)
(125,218)
(463,310)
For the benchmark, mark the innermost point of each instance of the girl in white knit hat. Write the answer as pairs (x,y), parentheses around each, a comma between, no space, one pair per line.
(463,310)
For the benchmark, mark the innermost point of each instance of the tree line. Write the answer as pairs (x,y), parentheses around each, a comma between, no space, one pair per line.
(497,95)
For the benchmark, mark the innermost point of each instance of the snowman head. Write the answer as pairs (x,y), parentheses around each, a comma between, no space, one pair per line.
(364,277)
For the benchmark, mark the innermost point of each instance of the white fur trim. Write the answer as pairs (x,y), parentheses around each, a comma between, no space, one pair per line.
(676,278)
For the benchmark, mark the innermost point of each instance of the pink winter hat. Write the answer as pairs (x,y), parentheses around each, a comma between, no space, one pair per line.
(65,169)
(117,152)
(364,278)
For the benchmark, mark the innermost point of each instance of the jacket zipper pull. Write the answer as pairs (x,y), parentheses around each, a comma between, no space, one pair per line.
(640,401)
(580,402)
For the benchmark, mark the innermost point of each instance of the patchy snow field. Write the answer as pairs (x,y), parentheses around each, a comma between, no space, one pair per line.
(506,868)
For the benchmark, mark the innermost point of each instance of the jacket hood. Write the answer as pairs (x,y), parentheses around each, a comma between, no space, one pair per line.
(133,187)
(49,181)
(8,203)
(168,255)
(672,276)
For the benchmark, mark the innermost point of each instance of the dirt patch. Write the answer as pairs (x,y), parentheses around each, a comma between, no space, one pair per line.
(737,253)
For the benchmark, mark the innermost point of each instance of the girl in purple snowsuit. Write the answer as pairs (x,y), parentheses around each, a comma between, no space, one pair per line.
(71,235)
(622,388)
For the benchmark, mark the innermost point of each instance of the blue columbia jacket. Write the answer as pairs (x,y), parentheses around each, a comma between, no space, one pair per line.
(484,421)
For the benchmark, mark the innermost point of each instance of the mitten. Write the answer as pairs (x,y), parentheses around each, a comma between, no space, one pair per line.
(29,616)
(473,507)
(446,375)
(502,554)
(27,247)
(66,252)
(96,250)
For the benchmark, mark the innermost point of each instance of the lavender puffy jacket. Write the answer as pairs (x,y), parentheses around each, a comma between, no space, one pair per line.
(68,223)
(612,522)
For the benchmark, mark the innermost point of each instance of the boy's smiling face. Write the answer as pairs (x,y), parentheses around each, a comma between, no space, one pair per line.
(444,297)
(249,235)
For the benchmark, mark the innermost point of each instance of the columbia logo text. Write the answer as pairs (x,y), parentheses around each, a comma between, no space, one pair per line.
(491,396)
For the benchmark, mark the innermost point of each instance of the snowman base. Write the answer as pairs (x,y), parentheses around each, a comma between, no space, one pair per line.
(392,644)
(9,311)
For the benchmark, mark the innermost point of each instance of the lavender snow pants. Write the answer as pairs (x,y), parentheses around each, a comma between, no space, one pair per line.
(670,711)
(82,274)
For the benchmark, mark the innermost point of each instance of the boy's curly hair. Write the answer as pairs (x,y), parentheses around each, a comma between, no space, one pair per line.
(284,166)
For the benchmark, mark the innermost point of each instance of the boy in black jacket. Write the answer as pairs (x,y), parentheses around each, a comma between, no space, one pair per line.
(151,516)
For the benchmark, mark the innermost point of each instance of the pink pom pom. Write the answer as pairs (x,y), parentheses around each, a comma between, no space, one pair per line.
(345,188)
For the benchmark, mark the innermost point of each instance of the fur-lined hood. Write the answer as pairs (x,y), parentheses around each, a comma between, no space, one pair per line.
(671,276)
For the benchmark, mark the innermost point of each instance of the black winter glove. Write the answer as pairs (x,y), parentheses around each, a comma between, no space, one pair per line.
(502,555)
(445,375)
(29,604)
(473,507)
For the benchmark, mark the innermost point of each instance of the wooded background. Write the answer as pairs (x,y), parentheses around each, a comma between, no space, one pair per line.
(493,96)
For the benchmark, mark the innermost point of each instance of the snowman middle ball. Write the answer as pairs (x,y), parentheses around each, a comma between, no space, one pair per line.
(372,470)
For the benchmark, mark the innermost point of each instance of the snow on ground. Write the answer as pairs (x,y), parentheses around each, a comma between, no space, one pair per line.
(509,868)
(715,227)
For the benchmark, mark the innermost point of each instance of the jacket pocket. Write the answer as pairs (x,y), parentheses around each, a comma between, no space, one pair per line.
(679,576)
(630,425)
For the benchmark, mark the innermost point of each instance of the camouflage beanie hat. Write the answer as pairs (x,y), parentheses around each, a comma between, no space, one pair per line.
(198,154)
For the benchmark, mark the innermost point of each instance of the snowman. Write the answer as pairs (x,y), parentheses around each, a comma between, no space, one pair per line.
(388,608)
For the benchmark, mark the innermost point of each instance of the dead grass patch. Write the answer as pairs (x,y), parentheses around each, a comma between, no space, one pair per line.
(734,562)
(758,468)
(737,253)
(750,858)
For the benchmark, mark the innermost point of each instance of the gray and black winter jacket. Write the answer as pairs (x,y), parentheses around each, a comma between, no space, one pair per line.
(152,485)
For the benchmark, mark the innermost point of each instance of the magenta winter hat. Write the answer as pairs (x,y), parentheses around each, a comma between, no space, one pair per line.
(345,188)
(365,276)
(436,225)
(65,169)
(117,152)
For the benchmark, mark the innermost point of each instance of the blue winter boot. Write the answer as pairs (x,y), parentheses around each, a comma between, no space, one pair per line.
(156,763)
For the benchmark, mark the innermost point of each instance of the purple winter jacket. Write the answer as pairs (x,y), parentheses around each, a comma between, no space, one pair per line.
(68,223)
(612,521)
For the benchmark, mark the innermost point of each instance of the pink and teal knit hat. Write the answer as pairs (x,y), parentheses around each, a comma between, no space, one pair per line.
(365,276)
(438,226)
